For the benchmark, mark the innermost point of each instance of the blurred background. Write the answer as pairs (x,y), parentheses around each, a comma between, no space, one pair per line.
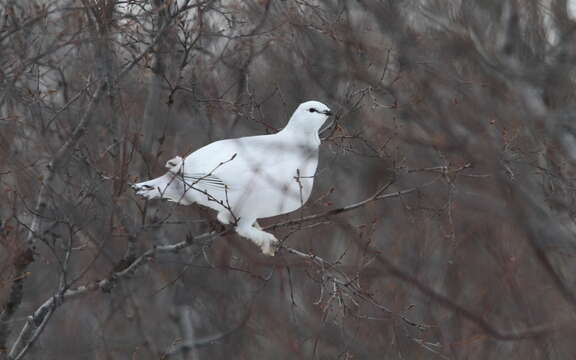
(454,143)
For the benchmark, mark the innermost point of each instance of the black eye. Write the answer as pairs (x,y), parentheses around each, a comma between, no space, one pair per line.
(312,110)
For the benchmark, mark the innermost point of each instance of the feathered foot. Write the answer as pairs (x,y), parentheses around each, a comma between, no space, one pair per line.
(266,241)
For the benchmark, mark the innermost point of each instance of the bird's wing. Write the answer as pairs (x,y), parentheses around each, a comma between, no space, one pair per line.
(201,180)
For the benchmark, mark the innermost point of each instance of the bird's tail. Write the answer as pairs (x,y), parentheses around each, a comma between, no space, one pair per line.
(167,187)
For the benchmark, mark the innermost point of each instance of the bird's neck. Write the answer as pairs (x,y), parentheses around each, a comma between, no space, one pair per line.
(303,131)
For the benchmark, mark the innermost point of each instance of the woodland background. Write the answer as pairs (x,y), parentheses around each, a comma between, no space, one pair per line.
(441,225)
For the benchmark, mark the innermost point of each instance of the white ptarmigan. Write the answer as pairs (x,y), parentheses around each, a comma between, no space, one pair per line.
(248,178)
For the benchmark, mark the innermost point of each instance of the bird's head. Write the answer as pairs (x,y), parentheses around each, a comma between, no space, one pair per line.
(313,110)
(310,116)
(308,119)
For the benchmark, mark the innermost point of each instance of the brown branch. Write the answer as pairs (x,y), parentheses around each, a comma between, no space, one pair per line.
(441,299)
(38,319)
(31,331)
(26,256)
(446,302)
(377,196)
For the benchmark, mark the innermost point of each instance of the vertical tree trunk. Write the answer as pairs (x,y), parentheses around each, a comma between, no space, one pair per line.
(154,118)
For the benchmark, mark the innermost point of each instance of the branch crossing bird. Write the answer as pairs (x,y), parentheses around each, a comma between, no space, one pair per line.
(248,178)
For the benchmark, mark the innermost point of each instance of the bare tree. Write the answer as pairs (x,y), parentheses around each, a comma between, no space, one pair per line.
(442,219)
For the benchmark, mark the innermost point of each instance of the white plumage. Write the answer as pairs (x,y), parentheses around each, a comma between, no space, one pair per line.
(248,178)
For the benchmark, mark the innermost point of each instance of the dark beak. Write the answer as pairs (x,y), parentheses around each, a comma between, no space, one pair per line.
(328,112)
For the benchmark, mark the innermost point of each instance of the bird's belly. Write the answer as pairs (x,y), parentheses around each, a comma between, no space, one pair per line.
(271,193)
(262,200)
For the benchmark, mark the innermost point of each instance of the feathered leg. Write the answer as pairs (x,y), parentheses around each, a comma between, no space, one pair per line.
(266,241)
